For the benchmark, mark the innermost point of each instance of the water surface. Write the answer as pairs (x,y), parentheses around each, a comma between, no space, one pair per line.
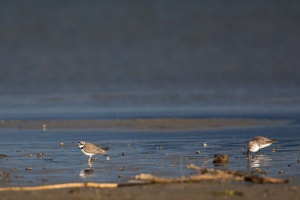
(135,152)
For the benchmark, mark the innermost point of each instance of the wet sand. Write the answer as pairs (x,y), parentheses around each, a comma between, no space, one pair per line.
(139,124)
(204,190)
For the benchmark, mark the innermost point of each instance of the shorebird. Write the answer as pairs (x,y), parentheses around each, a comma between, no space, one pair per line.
(90,149)
(257,143)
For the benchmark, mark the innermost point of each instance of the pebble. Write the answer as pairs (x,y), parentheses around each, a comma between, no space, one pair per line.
(258,170)
(220,158)
(61,144)
(122,168)
(204,144)
(273,150)
(281,172)
(40,155)
(198,152)
(298,160)
(28,168)
(173,165)
(89,170)
(44,127)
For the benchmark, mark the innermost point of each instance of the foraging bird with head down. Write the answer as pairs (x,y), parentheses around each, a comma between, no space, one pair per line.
(257,143)
(90,149)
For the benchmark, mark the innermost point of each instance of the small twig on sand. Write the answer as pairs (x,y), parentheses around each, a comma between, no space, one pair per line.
(61,186)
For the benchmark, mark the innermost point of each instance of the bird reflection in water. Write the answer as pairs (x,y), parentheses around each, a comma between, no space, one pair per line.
(259,161)
(87,172)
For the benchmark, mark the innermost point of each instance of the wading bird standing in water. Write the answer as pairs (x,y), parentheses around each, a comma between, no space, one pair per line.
(257,143)
(90,149)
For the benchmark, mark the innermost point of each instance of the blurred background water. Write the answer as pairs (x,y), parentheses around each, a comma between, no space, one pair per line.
(73,56)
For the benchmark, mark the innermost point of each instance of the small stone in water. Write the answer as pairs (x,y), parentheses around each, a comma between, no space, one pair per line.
(40,155)
(28,168)
(258,170)
(281,172)
(298,160)
(44,127)
(122,168)
(273,150)
(220,158)
(204,144)
(61,144)
(89,170)
(198,152)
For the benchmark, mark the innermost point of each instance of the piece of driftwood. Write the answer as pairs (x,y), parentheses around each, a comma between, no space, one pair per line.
(203,175)
(211,175)
(61,186)
(239,175)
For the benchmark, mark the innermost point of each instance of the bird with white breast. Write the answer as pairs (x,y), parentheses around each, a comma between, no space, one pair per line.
(257,143)
(90,149)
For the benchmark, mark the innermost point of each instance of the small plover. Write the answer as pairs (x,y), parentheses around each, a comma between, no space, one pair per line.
(258,143)
(90,149)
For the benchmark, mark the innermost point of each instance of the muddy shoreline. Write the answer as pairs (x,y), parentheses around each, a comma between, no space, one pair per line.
(164,124)
(203,190)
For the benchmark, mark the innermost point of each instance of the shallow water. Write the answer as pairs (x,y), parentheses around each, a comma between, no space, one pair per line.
(132,153)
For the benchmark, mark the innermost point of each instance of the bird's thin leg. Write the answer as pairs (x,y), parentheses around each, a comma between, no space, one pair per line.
(248,154)
(89,160)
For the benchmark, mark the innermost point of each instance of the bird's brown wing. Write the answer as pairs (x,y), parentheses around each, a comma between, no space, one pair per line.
(264,140)
(93,149)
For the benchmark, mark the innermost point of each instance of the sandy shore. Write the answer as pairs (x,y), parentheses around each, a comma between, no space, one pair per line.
(204,190)
(139,124)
